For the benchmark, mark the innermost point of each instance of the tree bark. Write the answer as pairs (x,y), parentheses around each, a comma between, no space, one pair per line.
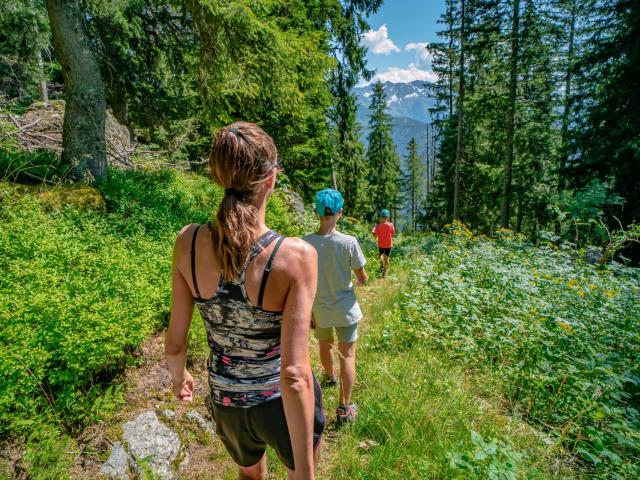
(83,139)
(566,112)
(44,94)
(117,100)
(459,146)
(42,79)
(450,14)
(508,161)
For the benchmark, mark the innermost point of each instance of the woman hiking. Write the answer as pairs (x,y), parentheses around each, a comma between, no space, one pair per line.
(254,289)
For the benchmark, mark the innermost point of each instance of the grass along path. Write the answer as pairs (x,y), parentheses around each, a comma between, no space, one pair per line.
(421,416)
(417,412)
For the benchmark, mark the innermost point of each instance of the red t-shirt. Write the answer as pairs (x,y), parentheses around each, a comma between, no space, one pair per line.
(384,232)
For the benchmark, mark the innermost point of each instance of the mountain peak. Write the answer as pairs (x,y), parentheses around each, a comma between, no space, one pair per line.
(408,104)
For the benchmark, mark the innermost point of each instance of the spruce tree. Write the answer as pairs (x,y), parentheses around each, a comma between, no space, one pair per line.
(347,25)
(382,158)
(414,182)
(605,138)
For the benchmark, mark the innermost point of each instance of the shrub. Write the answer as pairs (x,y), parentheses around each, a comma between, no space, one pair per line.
(562,335)
(82,288)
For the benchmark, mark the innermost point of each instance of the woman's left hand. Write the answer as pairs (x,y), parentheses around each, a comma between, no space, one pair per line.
(184,391)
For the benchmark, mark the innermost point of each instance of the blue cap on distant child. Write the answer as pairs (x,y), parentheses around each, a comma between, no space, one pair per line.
(385,213)
(328,198)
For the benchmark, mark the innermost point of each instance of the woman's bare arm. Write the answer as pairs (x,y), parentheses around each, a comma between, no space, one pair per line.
(296,380)
(175,340)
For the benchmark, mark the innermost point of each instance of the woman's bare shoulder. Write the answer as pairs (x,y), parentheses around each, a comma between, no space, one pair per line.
(184,237)
(296,254)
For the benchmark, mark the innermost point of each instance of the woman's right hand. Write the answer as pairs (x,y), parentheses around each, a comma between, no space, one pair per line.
(183,390)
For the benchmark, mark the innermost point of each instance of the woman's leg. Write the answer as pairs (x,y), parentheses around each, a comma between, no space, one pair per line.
(326,356)
(255,472)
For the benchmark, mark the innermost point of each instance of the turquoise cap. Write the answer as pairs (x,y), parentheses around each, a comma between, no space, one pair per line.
(385,213)
(328,198)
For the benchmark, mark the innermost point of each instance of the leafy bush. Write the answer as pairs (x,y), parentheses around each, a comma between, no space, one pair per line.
(48,455)
(82,288)
(561,334)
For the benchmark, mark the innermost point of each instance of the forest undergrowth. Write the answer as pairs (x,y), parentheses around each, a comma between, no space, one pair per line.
(478,358)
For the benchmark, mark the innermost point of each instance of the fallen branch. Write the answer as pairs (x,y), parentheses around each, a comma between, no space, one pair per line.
(20,128)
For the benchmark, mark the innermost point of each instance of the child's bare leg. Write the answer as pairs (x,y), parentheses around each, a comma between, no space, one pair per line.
(347,371)
(326,356)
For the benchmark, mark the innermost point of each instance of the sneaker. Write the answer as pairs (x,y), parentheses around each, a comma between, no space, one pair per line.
(328,381)
(346,413)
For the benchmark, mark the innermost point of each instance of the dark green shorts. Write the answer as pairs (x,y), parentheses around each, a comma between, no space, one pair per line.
(246,432)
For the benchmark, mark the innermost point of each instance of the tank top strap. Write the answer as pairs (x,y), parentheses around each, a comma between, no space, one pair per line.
(263,242)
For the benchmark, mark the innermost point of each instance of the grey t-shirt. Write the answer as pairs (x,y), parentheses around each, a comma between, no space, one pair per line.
(335,304)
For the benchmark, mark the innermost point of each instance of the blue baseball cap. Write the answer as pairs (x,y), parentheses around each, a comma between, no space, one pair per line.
(385,213)
(328,198)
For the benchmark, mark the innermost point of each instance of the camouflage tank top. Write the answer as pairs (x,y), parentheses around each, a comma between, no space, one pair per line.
(244,365)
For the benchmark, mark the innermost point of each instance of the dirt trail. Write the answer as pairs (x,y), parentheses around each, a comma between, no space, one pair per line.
(147,387)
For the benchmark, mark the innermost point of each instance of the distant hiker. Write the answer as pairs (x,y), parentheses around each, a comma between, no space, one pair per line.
(335,305)
(385,232)
(254,289)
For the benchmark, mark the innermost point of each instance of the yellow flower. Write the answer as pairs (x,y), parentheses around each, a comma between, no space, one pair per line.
(564,326)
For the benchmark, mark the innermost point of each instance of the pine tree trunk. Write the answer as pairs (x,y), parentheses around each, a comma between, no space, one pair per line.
(42,79)
(459,146)
(564,150)
(334,179)
(450,60)
(117,100)
(83,140)
(44,94)
(508,162)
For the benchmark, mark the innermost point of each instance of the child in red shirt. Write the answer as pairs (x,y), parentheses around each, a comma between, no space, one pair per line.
(385,232)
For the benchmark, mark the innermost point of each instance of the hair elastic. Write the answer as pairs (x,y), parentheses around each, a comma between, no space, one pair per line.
(234,192)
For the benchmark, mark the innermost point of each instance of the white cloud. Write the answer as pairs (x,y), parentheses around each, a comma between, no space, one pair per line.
(405,75)
(423,56)
(379,42)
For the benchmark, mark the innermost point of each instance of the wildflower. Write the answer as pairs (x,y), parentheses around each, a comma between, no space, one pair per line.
(565,326)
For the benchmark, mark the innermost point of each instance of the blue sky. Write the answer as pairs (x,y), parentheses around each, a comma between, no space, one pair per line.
(397,37)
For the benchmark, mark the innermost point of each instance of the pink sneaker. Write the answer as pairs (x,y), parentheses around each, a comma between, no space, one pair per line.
(346,413)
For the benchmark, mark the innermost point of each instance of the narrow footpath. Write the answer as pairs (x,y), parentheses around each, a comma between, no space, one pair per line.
(416,412)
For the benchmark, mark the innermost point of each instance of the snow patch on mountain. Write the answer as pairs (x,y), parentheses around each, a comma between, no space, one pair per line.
(408,104)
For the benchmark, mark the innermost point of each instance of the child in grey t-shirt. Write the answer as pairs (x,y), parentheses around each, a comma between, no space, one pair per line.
(335,306)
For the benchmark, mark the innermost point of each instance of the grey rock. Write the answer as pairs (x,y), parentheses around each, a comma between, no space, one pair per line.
(294,201)
(154,444)
(592,255)
(169,414)
(202,422)
(116,466)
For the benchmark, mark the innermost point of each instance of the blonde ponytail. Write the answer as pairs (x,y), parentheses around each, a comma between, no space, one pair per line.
(242,156)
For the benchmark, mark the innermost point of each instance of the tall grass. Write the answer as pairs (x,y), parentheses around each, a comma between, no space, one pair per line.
(421,416)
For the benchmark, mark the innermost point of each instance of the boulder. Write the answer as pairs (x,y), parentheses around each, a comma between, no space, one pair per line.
(202,422)
(154,444)
(117,466)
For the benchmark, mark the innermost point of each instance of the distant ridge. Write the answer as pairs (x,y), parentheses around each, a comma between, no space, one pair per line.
(408,105)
